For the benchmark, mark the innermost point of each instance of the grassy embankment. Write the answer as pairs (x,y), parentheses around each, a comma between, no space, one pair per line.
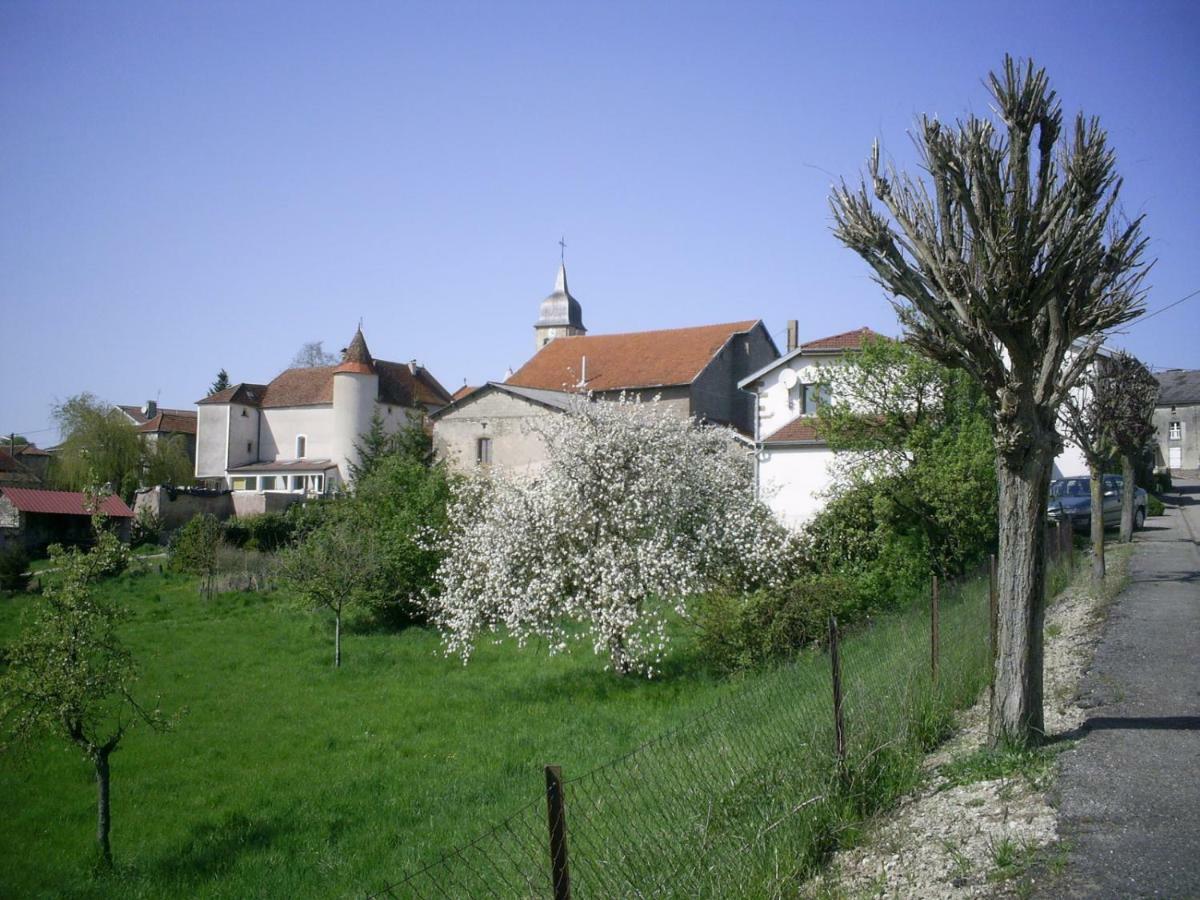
(288,778)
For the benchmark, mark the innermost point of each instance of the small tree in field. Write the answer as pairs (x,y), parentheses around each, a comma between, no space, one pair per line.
(1127,401)
(195,548)
(1082,418)
(69,675)
(1007,261)
(337,567)
(635,511)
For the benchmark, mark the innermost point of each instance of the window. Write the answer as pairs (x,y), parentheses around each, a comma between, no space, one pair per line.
(811,396)
(245,483)
(266,483)
(297,482)
(483,452)
(301,446)
(245,414)
(1175,431)
(249,446)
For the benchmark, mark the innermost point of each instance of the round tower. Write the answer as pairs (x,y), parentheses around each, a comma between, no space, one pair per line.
(560,314)
(355,389)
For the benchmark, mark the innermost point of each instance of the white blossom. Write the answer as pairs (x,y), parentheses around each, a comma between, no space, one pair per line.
(636,511)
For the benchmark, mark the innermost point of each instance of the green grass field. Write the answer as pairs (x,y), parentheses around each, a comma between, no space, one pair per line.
(287,778)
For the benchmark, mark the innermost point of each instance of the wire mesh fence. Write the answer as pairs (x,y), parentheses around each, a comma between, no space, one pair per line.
(744,799)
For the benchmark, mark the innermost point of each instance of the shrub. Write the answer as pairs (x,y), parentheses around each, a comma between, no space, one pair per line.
(1154,506)
(14,566)
(147,527)
(1162,481)
(268,532)
(743,631)
(194,549)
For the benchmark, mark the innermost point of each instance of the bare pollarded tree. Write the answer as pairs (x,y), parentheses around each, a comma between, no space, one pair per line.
(1127,400)
(1082,419)
(1007,260)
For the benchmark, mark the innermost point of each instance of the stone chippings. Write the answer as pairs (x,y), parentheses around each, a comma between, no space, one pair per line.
(940,842)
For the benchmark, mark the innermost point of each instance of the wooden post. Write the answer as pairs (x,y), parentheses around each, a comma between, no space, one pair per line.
(556,811)
(839,724)
(934,636)
(993,619)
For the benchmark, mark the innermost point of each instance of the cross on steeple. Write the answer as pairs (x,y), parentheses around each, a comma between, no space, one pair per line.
(562,249)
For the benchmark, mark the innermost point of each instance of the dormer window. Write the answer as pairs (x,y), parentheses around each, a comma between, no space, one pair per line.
(301,446)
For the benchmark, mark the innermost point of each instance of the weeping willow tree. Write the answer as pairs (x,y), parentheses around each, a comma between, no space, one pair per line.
(1007,258)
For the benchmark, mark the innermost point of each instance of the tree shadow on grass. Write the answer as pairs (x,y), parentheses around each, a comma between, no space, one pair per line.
(210,848)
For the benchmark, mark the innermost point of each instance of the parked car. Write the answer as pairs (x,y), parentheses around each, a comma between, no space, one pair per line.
(1071,500)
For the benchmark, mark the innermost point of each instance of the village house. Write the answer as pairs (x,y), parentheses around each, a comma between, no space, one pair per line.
(296,436)
(1177,418)
(154,423)
(694,372)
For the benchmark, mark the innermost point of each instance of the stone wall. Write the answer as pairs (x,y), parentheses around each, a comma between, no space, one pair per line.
(176,511)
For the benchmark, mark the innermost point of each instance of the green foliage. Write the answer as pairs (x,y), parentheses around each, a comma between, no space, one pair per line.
(410,441)
(194,547)
(221,382)
(165,461)
(14,564)
(1154,506)
(1162,482)
(100,446)
(147,527)
(746,631)
(916,467)
(1008,761)
(267,532)
(402,504)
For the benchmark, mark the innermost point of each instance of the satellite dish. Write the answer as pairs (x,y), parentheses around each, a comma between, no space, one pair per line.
(788,378)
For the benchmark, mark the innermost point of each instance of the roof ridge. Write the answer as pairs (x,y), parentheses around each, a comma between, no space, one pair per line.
(750,323)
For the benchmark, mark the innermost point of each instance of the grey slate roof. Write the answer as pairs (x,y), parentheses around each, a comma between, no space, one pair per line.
(1179,387)
(560,308)
(553,399)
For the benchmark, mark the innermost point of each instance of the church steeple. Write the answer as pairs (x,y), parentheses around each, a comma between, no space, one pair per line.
(560,314)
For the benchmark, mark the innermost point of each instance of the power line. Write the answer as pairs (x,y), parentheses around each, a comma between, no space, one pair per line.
(1141,319)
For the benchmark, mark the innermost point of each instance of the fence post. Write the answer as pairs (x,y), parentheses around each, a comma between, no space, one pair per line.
(993,616)
(839,724)
(557,814)
(934,637)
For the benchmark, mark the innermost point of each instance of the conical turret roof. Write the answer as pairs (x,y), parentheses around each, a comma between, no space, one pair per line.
(356,357)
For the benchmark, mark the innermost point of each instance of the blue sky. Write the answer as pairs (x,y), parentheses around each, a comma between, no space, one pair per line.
(187,187)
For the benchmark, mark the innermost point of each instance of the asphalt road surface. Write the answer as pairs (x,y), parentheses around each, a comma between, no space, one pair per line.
(1129,793)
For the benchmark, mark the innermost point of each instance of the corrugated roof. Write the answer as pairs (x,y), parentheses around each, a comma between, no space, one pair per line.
(639,359)
(802,430)
(1179,387)
(62,503)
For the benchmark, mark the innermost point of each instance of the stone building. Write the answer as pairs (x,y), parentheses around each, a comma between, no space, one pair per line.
(297,435)
(693,371)
(1177,418)
(154,423)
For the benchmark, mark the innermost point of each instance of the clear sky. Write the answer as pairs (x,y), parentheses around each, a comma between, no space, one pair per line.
(186,187)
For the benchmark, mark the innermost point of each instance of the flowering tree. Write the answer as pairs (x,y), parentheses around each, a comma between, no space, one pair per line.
(636,511)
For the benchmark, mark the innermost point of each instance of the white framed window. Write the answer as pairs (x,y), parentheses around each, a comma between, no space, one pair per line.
(297,482)
(266,482)
(1175,431)
(245,483)
(483,451)
(301,445)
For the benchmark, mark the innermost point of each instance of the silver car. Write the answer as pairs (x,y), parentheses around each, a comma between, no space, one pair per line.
(1071,500)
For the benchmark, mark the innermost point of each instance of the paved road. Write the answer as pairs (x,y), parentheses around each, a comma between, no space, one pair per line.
(1130,792)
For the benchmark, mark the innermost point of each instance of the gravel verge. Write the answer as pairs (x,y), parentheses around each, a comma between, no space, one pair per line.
(957,840)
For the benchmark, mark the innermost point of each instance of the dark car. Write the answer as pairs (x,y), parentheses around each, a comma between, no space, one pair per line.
(1071,499)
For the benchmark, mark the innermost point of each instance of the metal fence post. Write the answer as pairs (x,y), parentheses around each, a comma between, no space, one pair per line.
(557,815)
(934,636)
(839,724)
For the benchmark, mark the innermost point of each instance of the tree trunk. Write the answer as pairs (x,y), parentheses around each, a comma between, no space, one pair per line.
(337,639)
(1016,714)
(1097,486)
(103,815)
(1127,491)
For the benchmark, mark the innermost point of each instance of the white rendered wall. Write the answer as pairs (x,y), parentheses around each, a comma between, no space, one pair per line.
(353,405)
(212,430)
(791,481)
(282,424)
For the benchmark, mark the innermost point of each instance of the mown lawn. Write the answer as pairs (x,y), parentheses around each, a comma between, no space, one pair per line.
(287,778)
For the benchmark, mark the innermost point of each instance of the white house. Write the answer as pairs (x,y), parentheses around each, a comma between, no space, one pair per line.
(792,463)
(297,435)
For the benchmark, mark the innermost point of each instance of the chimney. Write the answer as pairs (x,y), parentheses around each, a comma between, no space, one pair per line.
(412,366)
(793,338)
(150,410)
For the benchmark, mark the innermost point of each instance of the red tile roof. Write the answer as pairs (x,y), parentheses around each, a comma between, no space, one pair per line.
(63,503)
(847,340)
(313,386)
(30,450)
(637,359)
(171,422)
(801,430)
(464,391)
(245,393)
